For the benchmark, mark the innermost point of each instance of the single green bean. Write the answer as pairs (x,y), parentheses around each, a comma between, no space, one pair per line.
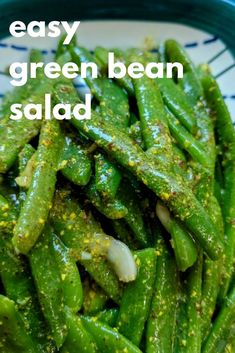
(162,318)
(107,177)
(136,299)
(226,136)
(193,307)
(75,164)
(186,141)
(72,286)
(34,212)
(177,102)
(49,286)
(107,339)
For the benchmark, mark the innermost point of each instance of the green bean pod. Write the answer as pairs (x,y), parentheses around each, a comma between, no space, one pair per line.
(74,163)
(94,298)
(193,308)
(186,141)
(13,334)
(183,245)
(49,286)
(107,177)
(136,299)
(223,325)
(162,318)
(226,137)
(107,339)
(78,338)
(19,287)
(111,208)
(34,212)
(134,217)
(177,102)
(70,277)
(108,316)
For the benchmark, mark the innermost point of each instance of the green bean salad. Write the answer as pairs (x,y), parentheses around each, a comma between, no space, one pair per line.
(117,233)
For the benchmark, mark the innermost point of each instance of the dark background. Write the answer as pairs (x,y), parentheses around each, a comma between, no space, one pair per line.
(215,16)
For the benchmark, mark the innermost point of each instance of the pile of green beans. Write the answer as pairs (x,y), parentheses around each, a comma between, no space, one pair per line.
(117,234)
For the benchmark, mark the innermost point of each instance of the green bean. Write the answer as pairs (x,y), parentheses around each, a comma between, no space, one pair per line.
(104,276)
(136,134)
(75,164)
(177,102)
(229,229)
(191,87)
(123,232)
(81,55)
(49,285)
(136,299)
(114,102)
(180,337)
(152,116)
(121,148)
(19,287)
(107,339)
(111,208)
(102,55)
(72,287)
(219,182)
(193,305)
(94,298)
(33,214)
(187,142)
(210,288)
(175,53)
(14,135)
(134,216)
(13,335)
(108,316)
(78,338)
(162,318)
(182,244)
(63,49)
(226,136)
(222,326)
(107,177)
